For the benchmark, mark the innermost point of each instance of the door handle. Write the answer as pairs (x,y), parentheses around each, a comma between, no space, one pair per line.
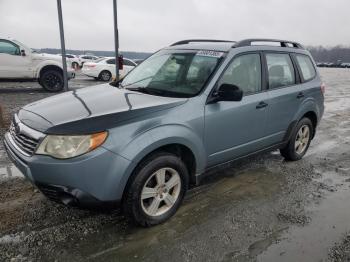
(262,104)
(300,95)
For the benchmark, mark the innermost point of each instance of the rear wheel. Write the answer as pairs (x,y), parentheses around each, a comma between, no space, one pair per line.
(75,65)
(105,75)
(299,141)
(156,190)
(51,80)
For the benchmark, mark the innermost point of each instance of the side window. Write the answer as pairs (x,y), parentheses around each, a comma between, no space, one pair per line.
(280,69)
(111,61)
(307,68)
(244,72)
(7,47)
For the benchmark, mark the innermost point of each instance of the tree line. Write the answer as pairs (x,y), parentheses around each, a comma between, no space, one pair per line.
(335,54)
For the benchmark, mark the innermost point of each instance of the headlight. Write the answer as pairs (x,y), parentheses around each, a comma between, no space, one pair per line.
(70,146)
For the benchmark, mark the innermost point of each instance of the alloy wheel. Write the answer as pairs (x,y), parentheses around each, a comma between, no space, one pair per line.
(160,191)
(302,139)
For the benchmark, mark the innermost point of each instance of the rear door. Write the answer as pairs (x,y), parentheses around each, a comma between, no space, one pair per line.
(285,94)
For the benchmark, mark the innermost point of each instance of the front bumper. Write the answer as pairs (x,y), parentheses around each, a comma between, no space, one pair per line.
(91,180)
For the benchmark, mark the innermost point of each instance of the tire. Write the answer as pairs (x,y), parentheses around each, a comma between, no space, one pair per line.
(75,65)
(168,198)
(299,143)
(51,80)
(105,75)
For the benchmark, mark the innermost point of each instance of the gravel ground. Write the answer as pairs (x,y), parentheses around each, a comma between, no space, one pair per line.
(260,209)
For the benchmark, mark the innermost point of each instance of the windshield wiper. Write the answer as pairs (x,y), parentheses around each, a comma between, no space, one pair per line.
(139,89)
(138,81)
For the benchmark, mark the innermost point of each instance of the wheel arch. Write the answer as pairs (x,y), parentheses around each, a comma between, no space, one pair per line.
(49,67)
(188,147)
(310,110)
(104,70)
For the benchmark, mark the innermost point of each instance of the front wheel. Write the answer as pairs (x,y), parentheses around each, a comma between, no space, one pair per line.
(157,189)
(299,141)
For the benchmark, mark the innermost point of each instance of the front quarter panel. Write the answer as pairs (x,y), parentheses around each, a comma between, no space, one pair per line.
(153,139)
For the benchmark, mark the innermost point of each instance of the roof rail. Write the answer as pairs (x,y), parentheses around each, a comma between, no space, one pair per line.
(183,42)
(283,43)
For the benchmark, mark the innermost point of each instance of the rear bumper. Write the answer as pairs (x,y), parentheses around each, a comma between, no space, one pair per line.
(92,180)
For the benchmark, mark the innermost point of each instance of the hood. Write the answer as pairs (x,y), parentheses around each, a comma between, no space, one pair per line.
(91,109)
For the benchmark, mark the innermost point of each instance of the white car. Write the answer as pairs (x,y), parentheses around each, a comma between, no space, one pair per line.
(75,60)
(87,58)
(104,68)
(18,61)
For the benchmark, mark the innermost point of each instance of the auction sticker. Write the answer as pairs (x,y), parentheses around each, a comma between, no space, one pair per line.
(210,53)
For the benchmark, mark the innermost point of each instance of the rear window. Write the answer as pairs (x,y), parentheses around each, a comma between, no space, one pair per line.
(127,62)
(306,66)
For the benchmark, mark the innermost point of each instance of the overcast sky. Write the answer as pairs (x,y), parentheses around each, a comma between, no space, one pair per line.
(148,25)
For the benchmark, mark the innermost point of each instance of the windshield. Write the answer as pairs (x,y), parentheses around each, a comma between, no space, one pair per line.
(173,73)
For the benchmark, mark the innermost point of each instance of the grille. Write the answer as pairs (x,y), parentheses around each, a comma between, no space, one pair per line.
(50,192)
(24,142)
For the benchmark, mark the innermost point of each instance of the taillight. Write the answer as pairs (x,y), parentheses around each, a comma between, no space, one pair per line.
(90,66)
(323,88)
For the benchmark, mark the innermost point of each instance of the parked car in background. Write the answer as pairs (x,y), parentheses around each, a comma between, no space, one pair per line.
(18,61)
(189,108)
(87,58)
(345,65)
(75,60)
(104,69)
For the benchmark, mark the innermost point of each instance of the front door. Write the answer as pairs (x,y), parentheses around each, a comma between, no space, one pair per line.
(234,129)
(12,63)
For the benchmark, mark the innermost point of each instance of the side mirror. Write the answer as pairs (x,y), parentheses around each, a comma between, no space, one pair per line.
(227,92)
(23,52)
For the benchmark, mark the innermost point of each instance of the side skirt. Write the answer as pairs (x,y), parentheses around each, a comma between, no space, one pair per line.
(210,170)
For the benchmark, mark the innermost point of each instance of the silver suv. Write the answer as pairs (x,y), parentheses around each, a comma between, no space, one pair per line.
(190,107)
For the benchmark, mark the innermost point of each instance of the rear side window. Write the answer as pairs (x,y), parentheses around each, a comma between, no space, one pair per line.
(280,70)
(306,66)
(111,61)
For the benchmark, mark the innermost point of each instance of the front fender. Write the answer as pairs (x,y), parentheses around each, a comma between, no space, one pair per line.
(152,139)
(44,63)
(157,137)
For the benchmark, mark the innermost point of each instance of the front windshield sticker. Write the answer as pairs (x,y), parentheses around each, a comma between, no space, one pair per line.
(210,53)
